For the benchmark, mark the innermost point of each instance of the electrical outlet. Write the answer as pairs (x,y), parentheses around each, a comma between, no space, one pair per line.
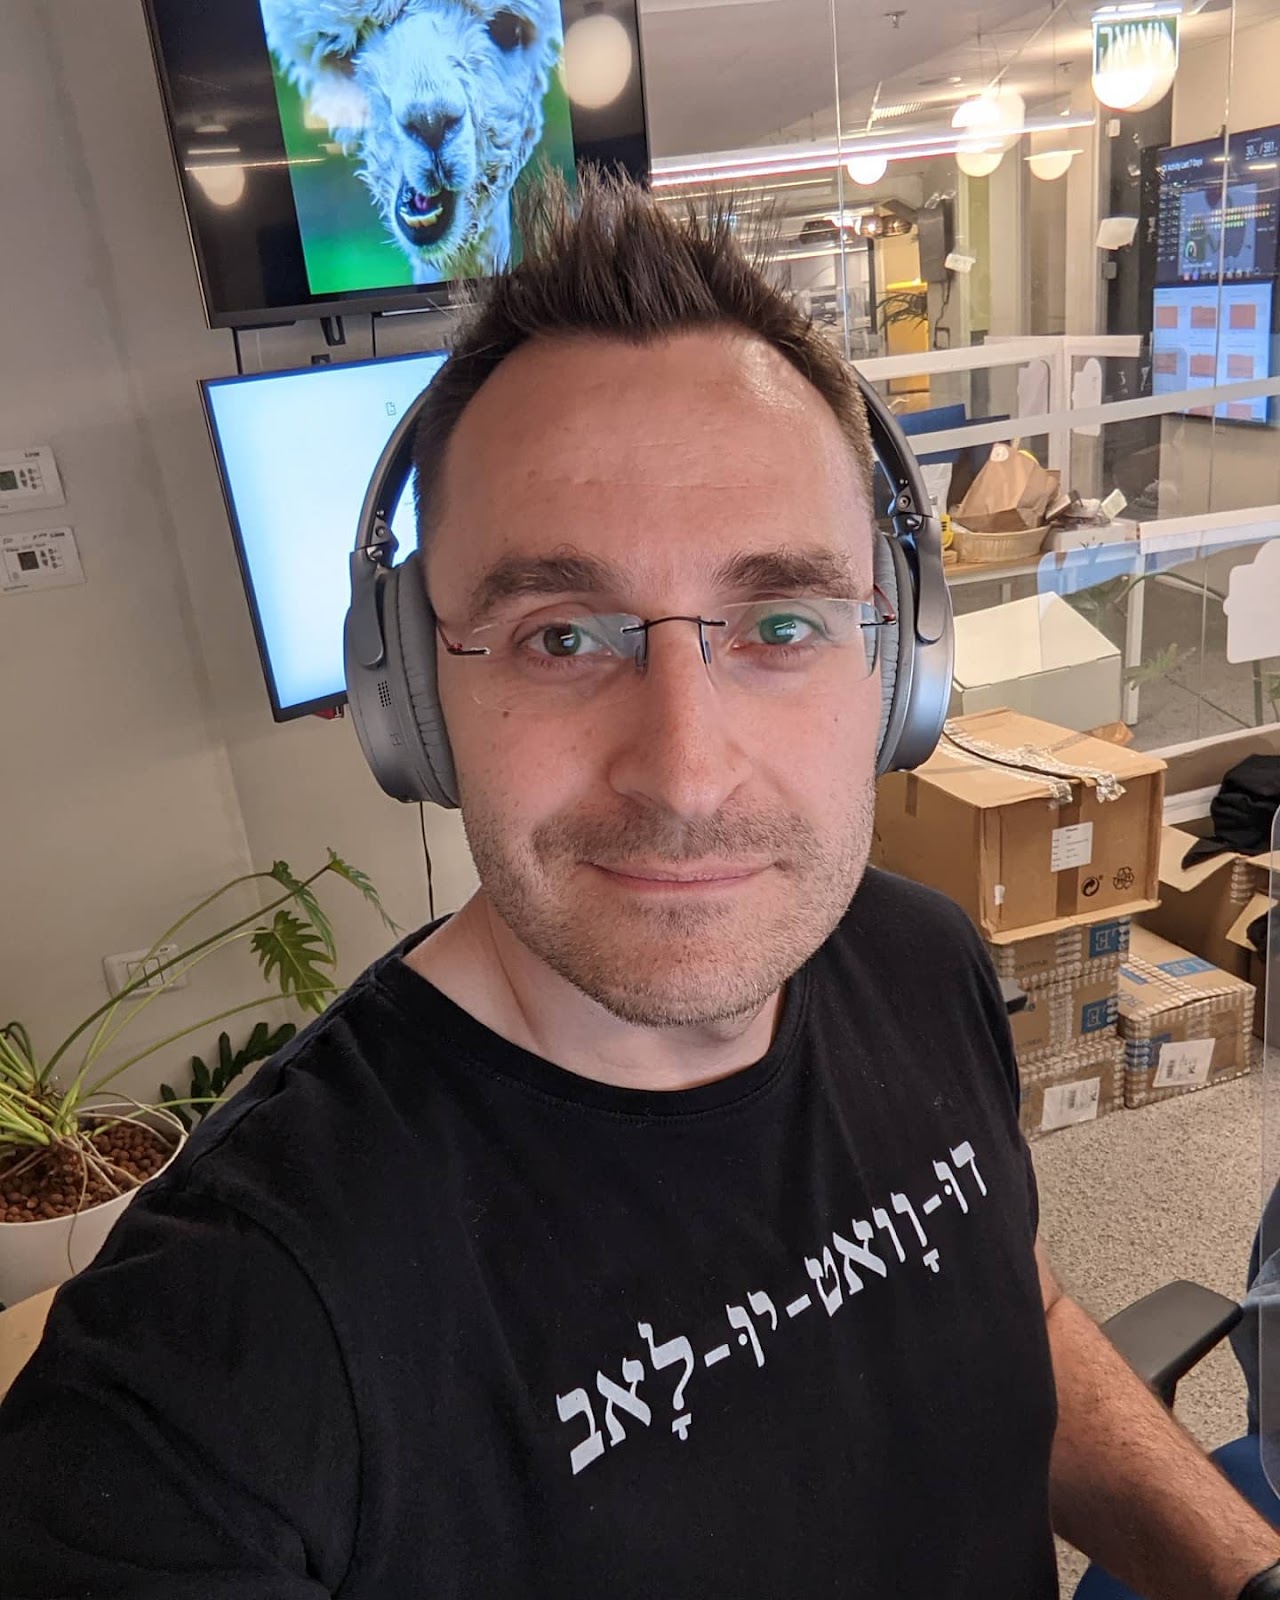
(124,970)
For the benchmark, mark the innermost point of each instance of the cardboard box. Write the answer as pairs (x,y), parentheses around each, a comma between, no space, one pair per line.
(1258,978)
(1059,1016)
(1055,957)
(1037,656)
(1185,1023)
(1201,764)
(1078,1085)
(1255,968)
(1025,853)
(1200,905)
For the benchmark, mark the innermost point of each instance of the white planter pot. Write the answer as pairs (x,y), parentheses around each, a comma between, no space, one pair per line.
(40,1255)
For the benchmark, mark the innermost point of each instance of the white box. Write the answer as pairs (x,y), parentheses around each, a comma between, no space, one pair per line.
(1039,657)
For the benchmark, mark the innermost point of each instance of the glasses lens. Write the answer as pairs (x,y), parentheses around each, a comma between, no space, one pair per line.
(783,646)
(554,662)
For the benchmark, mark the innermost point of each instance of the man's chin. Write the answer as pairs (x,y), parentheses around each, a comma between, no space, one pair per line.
(671,1003)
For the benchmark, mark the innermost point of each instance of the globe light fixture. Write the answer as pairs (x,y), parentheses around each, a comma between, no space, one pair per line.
(978,160)
(995,116)
(1135,60)
(1050,164)
(597,60)
(867,170)
(223,181)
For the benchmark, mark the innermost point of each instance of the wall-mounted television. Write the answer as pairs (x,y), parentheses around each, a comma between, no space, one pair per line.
(1218,209)
(295,452)
(1211,238)
(355,157)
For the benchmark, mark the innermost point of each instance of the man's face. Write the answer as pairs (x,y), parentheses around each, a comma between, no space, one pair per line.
(677,848)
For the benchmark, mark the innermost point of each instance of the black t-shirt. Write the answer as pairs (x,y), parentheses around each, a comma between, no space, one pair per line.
(422,1316)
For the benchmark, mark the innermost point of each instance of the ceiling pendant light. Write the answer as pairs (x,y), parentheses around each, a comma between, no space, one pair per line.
(1050,164)
(1135,59)
(979,161)
(597,59)
(867,170)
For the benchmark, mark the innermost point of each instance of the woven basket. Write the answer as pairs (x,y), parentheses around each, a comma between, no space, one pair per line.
(977,547)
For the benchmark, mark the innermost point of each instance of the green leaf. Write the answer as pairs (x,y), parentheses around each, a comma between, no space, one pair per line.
(167,1095)
(280,1037)
(201,1082)
(361,881)
(1161,665)
(292,951)
(305,896)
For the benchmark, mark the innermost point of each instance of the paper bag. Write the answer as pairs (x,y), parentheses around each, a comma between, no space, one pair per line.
(1011,494)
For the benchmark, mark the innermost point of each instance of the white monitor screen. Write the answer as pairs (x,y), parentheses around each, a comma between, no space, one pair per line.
(1205,336)
(296,451)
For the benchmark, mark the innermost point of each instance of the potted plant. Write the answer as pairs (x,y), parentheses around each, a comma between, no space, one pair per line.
(210,1084)
(72,1155)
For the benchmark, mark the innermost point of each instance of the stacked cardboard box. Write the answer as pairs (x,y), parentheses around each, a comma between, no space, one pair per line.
(1070,1058)
(1030,827)
(1049,839)
(1208,907)
(1079,1085)
(1185,1023)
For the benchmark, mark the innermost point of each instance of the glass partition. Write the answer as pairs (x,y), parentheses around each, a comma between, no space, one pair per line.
(1266,1289)
(1048,229)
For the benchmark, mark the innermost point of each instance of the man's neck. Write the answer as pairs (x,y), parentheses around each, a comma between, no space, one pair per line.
(481,966)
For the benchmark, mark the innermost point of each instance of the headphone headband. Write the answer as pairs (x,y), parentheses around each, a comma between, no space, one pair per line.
(390,640)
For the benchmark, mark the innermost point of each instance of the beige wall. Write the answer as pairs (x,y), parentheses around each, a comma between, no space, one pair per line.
(141,767)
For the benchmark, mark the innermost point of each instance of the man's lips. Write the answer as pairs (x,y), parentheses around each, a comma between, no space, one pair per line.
(642,874)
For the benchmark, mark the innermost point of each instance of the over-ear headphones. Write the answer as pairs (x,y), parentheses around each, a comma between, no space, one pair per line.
(390,636)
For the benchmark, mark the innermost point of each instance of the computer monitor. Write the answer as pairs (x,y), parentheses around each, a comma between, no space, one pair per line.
(295,452)
(1218,209)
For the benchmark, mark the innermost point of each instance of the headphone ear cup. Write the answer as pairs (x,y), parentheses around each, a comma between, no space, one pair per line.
(409,629)
(897,640)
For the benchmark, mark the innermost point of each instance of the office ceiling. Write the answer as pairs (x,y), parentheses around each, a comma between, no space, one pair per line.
(723,74)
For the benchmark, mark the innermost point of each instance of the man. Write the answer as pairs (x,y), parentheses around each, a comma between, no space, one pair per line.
(659,1225)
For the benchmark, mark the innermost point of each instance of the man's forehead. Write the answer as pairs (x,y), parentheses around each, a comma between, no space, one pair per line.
(713,409)
(660,459)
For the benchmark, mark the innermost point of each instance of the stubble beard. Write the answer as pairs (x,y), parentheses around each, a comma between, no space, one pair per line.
(669,963)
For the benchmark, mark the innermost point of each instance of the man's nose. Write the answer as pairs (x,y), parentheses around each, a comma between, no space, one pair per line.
(432,124)
(676,743)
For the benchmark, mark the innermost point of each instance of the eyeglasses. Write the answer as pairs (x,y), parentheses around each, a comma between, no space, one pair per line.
(559,658)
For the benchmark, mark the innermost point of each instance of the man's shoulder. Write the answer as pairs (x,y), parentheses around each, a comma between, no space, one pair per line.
(896,914)
(321,1121)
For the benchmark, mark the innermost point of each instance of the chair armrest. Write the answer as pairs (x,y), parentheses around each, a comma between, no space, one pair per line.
(1163,1335)
(1013,994)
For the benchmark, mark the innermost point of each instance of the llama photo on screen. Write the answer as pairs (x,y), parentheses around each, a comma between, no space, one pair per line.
(408,124)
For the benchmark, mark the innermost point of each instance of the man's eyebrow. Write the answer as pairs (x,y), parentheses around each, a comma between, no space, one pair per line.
(515,576)
(814,570)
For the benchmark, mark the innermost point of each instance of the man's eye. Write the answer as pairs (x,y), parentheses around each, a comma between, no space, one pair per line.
(561,640)
(784,628)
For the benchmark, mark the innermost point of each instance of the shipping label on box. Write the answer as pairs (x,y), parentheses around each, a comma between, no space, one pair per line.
(1076,1085)
(1068,1103)
(989,831)
(1185,1023)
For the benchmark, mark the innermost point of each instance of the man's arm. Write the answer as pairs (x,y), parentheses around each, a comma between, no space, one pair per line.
(1129,1486)
(184,1430)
